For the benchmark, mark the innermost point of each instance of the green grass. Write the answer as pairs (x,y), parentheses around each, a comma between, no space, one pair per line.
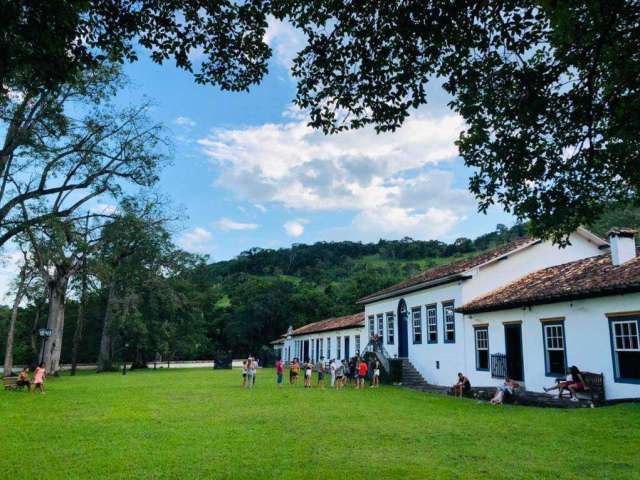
(182,424)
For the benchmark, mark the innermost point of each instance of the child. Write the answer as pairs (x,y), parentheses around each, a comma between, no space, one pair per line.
(279,373)
(340,376)
(244,373)
(23,379)
(295,370)
(38,379)
(321,373)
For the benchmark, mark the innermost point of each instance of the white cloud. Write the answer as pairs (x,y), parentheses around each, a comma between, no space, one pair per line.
(227,224)
(197,240)
(262,208)
(185,122)
(395,183)
(104,209)
(285,41)
(295,228)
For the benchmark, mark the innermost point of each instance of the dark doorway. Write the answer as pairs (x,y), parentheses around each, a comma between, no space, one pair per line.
(305,351)
(346,348)
(513,346)
(317,350)
(403,334)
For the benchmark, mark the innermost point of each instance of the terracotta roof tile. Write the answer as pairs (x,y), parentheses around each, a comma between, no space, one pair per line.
(589,277)
(454,268)
(338,323)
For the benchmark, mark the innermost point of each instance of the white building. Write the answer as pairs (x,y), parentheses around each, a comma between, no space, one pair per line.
(339,338)
(418,320)
(584,313)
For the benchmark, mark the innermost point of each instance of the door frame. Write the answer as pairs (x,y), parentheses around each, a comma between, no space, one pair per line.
(403,330)
(512,326)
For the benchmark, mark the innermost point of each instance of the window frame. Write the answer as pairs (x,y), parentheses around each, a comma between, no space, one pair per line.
(380,326)
(476,329)
(556,322)
(445,306)
(338,347)
(372,326)
(614,356)
(413,325)
(391,328)
(329,348)
(432,307)
(356,342)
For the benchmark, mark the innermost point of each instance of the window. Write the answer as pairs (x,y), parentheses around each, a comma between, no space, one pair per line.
(416,316)
(381,327)
(449,323)
(338,348)
(482,348)
(372,326)
(329,348)
(555,356)
(357,344)
(626,349)
(432,323)
(391,329)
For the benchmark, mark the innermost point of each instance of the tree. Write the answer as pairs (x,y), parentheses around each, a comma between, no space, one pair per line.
(549,91)
(47,44)
(22,282)
(54,160)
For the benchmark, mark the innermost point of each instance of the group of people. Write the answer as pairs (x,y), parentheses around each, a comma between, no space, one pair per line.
(249,370)
(39,375)
(573,383)
(355,371)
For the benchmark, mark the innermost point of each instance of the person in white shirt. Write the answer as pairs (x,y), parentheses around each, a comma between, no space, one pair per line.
(332,369)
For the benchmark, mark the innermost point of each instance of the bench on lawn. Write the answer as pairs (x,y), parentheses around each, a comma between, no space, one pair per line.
(594,388)
(11,383)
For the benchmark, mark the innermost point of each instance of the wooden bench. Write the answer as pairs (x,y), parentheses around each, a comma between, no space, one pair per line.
(10,383)
(594,388)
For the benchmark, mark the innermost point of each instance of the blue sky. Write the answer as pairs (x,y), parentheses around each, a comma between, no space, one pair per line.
(247,171)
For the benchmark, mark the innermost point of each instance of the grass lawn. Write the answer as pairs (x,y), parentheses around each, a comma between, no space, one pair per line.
(183,424)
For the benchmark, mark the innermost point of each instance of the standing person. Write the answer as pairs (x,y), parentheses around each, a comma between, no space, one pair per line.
(250,373)
(362,372)
(308,371)
(291,371)
(340,375)
(279,373)
(39,378)
(23,379)
(376,374)
(295,369)
(244,373)
(255,370)
(321,370)
(352,370)
(332,370)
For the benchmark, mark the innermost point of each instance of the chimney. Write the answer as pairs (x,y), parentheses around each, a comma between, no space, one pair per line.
(623,245)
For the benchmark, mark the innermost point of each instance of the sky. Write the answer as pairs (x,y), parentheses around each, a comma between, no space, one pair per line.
(246,170)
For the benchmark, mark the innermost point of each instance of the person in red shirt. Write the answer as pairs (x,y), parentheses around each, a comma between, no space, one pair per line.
(362,373)
(279,373)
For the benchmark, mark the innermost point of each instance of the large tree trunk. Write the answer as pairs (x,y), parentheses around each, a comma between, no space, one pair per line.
(104,357)
(8,354)
(55,322)
(34,335)
(77,335)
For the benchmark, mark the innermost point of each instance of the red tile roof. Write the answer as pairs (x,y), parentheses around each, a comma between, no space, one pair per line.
(278,341)
(348,321)
(589,277)
(453,269)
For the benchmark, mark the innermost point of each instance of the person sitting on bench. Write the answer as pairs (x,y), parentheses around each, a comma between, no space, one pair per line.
(574,384)
(504,391)
(462,387)
(23,379)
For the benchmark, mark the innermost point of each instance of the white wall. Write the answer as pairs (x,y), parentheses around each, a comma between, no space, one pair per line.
(439,363)
(587,336)
(333,336)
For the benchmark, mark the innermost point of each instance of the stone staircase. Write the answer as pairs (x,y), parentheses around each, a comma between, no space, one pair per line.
(411,378)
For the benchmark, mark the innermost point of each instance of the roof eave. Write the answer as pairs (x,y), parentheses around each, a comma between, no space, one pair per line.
(413,288)
(346,327)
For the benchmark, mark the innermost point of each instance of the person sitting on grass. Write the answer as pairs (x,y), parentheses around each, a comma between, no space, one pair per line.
(321,373)
(308,371)
(362,373)
(575,381)
(23,379)
(38,378)
(279,373)
(463,386)
(504,391)
(376,374)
